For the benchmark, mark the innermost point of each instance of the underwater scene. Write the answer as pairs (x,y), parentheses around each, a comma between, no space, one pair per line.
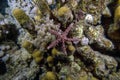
(59,39)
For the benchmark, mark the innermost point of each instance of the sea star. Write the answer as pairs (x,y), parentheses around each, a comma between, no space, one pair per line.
(62,37)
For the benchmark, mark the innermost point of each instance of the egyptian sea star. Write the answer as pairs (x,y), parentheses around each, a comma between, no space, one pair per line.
(62,37)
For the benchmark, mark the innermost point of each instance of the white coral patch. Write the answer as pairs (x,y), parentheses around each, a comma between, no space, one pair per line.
(50,2)
(84,41)
(89,19)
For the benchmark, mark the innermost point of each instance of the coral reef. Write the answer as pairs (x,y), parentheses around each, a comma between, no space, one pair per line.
(60,40)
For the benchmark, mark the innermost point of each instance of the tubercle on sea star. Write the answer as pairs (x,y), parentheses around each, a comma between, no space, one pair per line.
(61,37)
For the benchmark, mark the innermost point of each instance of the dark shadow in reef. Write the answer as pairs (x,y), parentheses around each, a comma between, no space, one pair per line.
(106,21)
(3,68)
(37,75)
(3,6)
(11,35)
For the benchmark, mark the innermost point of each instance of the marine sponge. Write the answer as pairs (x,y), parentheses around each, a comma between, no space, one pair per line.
(21,16)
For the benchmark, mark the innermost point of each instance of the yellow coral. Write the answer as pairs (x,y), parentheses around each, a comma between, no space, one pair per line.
(36,53)
(37,18)
(50,61)
(20,16)
(50,76)
(54,51)
(73,3)
(85,77)
(38,12)
(25,21)
(113,31)
(63,10)
(38,59)
(71,48)
(43,6)
(116,18)
(69,78)
(118,2)
(28,46)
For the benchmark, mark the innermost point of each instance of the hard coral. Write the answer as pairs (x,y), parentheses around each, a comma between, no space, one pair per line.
(63,10)
(28,46)
(116,18)
(24,20)
(37,56)
(21,16)
(62,37)
(50,76)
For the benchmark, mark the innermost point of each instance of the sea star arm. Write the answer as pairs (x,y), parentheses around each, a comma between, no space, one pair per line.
(68,29)
(72,39)
(54,32)
(53,44)
(63,47)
